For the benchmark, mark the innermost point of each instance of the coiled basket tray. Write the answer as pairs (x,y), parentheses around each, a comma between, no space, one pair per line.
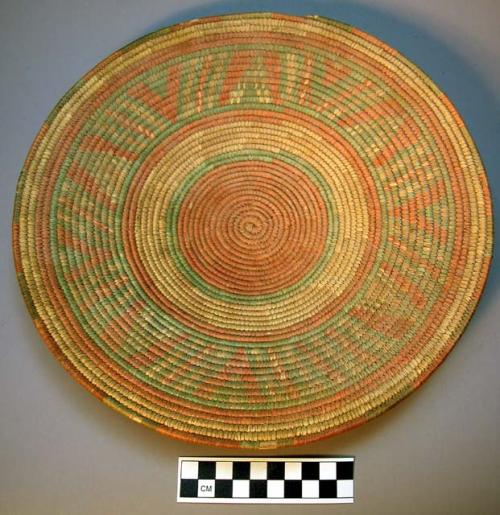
(252,230)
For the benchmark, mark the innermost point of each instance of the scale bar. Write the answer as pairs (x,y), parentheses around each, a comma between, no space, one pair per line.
(250,480)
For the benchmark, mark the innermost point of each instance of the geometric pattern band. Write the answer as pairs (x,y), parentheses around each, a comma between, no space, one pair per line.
(266,480)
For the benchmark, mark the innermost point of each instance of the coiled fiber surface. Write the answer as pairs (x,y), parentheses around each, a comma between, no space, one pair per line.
(252,230)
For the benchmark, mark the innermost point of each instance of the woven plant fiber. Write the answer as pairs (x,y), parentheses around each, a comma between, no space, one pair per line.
(252,230)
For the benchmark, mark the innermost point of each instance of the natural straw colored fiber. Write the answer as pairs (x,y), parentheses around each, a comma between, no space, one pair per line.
(253,230)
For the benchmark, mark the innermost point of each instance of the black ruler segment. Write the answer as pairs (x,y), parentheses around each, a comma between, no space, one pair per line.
(266,480)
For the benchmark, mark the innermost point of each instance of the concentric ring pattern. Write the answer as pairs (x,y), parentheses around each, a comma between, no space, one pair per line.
(253,230)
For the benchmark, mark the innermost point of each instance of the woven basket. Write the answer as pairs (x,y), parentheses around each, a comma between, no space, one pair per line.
(252,230)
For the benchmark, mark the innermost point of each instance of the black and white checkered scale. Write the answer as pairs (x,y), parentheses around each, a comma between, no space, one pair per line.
(272,480)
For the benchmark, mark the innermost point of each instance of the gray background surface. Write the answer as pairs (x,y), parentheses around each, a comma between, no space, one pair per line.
(63,452)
